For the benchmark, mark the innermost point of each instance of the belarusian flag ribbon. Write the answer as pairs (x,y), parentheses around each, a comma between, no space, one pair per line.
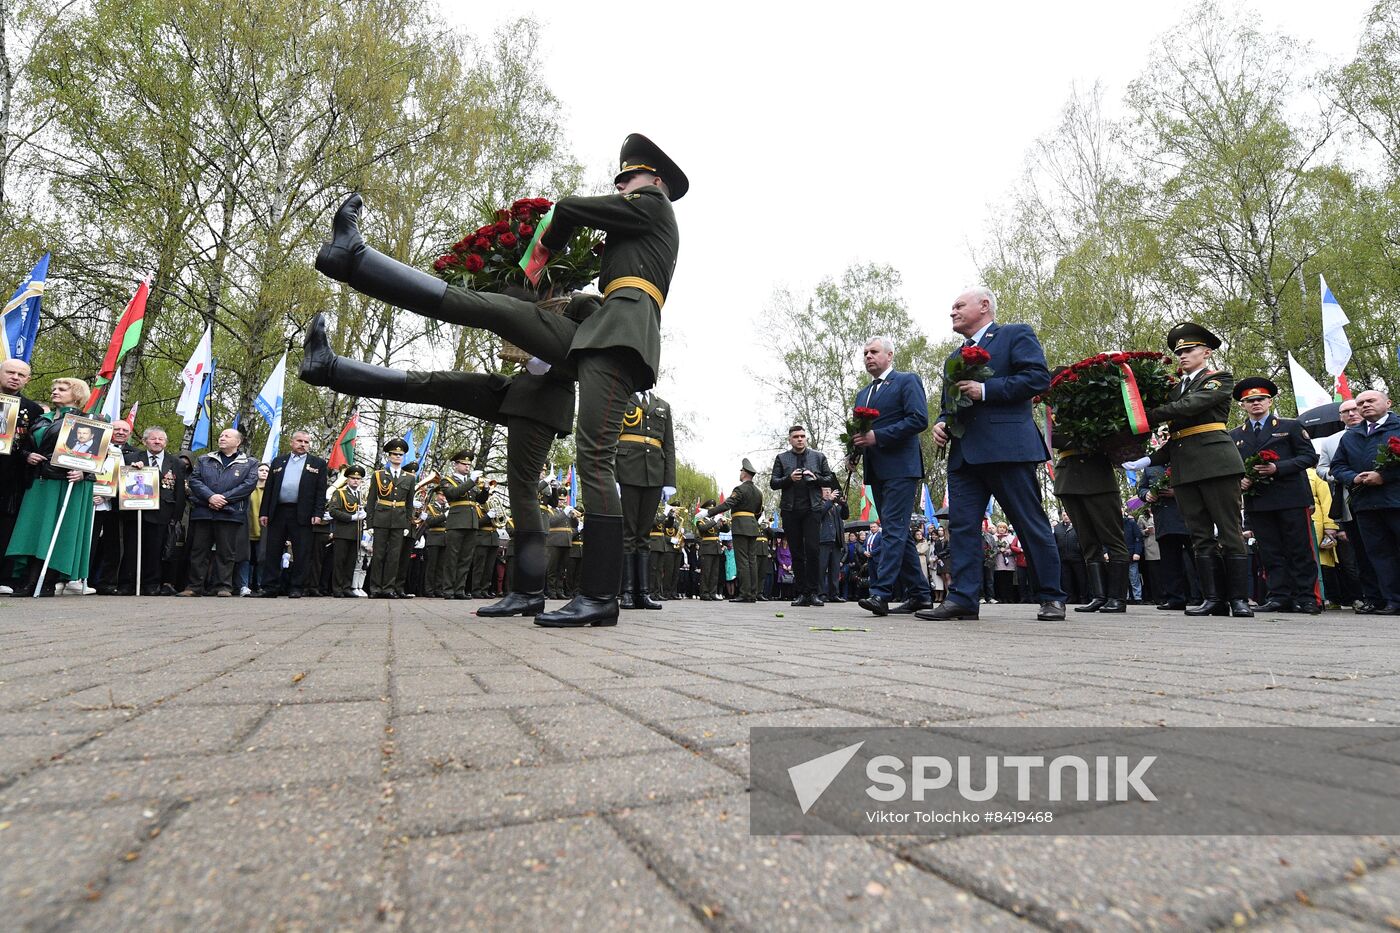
(536,257)
(1132,402)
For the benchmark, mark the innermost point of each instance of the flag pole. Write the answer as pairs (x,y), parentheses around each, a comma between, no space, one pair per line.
(140,552)
(53,541)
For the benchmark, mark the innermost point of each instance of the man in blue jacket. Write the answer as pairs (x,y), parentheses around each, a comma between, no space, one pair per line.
(220,484)
(293,501)
(1375,494)
(996,454)
(894,469)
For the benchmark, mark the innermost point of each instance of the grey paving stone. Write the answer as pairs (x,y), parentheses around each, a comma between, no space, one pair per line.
(1372,896)
(476,740)
(20,753)
(742,697)
(570,874)
(173,731)
(656,703)
(1310,920)
(572,732)
(357,724)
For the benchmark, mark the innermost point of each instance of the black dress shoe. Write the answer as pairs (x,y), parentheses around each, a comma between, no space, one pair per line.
(877,606)
(294,594)
(269,594)
(1307,607)
(803,600)
(817,602)
(580,611)
(947,611)
(514,604)
(911,606)
(1053,611)
(836,599)
(1275,605)
(1172,605)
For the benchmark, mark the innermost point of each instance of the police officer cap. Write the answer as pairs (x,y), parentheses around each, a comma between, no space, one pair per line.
(396,446)
(1255,387)
(708,504)
(748,467)
(640,154)
(1190,334)
(461,456)
(355,471)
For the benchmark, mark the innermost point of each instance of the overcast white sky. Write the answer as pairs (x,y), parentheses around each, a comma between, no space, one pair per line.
(871,131)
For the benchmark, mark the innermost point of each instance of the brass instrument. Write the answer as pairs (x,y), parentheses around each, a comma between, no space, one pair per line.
(430,478)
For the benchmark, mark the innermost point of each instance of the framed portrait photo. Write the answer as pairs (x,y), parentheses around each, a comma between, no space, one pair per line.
(9,416)
(140,488)
(82,444)
(105,482)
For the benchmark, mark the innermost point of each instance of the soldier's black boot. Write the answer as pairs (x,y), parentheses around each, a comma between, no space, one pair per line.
(596,602)
(641,578)
(346,258)
(1237,586)
(1094,583)
(321,367)
(526,597)
(1117,588)
(627,599)
(1211,603)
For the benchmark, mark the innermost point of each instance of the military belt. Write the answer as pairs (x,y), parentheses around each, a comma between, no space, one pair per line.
(1072,452)
(710,538)
(634,281)
(743,515)
(393,502)
(640,439)
(658,534)
(1198,429)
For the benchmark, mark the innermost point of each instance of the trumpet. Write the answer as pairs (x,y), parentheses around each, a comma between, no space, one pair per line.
(430,478)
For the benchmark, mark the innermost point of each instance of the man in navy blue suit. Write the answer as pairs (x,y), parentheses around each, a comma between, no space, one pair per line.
(996,455)
(1375,494)
(894,468)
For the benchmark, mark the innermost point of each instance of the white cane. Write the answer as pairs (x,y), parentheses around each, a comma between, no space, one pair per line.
(43,571)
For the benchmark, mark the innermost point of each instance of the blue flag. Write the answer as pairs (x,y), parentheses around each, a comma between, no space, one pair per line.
(408,442)
(201,427)
(573,488)
(21,312)
(422,456)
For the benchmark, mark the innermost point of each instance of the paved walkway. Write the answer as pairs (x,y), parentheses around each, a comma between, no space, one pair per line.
(256,764)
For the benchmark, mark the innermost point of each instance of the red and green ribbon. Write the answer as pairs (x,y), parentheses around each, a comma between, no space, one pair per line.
(536,257)
(1132,402)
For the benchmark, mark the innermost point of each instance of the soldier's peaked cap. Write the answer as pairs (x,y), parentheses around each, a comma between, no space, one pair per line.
(1191,334)
(355,471)
(461,456)
(748,467)
(1255,387)
(640,154)
(396,446)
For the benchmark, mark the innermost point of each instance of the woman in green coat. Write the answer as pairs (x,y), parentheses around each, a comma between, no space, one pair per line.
(38,514)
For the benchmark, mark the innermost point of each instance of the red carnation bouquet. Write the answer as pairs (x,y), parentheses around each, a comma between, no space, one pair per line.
(488,259)
(1257,480)
(861,420)
(967,365)
(1389,454)
(1101,403)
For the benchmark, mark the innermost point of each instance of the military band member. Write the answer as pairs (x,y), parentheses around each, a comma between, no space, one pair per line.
(675,547)
(1278,509)
(763,548)
(646,472)
(488,545)
(1206,470)
(1088,490)
(561,535)
(347,510)
(743,506)
(575,561)
(613,353)
(389,511)
(461,487)
(434,524)
(657,546)
(711,552)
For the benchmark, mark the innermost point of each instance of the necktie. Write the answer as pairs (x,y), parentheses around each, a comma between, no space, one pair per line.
(875,388)
(969,342)
(1370,426)
(1258,432)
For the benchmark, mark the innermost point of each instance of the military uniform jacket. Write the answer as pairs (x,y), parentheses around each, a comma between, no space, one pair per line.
(342,506)
(1083,472)
(461,492)
(643,242)
(710,545)
(646,448)
(1203,454)
(435,525)
(389,502)
(657,539)
(744,499)
(561,531)
(1290,488)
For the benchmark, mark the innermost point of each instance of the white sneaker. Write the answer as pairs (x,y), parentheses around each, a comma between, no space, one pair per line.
(245,591)
(7,591)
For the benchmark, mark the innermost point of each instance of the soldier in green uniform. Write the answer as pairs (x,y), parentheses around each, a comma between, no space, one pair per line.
(389,511)
(763,548)
(657,547)
(743,506)
(1206,469)
(434,524)
(488,546)
(561,535)
(347,511)
(461,489)
(671,561)
(575,561)
(711,552)
(1088,490)
(646,473)
(614,353)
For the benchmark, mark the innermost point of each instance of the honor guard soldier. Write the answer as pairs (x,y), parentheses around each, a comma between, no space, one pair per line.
(1278,497)
(646,473)
(575,560)
(488,545)
(1206,470)
(743,506)
(711,552)
(435,544)
(658,545)
(1088,489)
(763,548)
(461,488)
(675,546)
(347,511)
(389,511)
(560,539)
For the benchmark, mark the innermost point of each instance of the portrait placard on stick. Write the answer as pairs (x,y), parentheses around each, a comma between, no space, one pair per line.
(140,487)
(9,416)
(82,444)
(105,482)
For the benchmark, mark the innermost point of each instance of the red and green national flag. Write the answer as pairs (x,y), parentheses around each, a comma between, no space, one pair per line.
(126,336)
(535,258)
(343,453)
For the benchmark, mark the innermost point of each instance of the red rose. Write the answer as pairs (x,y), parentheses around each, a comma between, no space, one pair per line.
(975,356)
(500,226)
(1268,456)
(526,230)
(486,231)
(475,263)
(1394,445)
(508,240)
(863,412)
(442,262)
(481,243)
(1118,358)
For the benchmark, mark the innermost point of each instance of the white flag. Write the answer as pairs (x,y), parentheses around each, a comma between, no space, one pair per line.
(1306,390)
(192,378)
(269,405)
(1335,346)
(112,404)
